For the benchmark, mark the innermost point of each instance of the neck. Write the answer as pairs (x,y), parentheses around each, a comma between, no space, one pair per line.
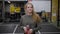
(29,13)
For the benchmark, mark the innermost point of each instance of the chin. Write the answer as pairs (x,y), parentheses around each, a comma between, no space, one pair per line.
(30,11)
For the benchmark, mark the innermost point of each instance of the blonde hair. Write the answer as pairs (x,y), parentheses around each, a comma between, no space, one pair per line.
(35,16)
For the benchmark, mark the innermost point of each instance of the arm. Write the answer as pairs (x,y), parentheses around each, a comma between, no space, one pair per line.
(38,22)
(21,23)
(37,27)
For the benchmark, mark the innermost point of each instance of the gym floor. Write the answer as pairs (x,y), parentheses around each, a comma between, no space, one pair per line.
(14,28)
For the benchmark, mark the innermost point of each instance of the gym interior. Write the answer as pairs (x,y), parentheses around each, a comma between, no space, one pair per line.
(12,10)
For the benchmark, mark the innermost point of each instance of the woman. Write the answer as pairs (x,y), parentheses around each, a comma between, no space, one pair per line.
(30,21)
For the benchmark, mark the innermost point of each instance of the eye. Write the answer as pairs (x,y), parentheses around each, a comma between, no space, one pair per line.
(28,7)
(31,7)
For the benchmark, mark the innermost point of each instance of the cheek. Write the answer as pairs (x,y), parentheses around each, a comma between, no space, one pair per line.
(29,9)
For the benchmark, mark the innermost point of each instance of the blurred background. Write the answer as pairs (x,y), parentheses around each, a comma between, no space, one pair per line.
(12,10)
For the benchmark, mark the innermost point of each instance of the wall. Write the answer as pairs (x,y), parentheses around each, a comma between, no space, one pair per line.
(59,12)
(27,0)
(15,0)
(54,11)
(7,9)
(42,5)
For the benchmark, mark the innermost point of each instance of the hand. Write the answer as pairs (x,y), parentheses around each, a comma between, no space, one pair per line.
(27,26)
(30,31)
(25,29)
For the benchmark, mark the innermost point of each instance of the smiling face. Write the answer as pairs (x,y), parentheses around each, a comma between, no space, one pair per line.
(29,8)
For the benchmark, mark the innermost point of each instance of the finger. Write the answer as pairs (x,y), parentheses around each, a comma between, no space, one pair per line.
(25,29)
(30,30)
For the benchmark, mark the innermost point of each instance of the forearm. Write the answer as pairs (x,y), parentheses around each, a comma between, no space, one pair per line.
(37,28)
